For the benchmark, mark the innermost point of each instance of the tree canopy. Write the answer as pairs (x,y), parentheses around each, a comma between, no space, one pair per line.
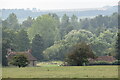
(79,55)
(51,37)
(46,26)
(19,60)
(37,47)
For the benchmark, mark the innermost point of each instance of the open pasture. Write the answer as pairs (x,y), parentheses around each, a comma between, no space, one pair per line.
(61,72)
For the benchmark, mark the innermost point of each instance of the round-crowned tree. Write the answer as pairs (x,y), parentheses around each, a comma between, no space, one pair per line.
(79,55)
(19,60)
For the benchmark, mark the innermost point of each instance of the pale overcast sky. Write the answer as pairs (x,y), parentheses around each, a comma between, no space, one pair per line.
(56,4)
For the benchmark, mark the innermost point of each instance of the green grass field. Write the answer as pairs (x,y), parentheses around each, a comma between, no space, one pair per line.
(61,72)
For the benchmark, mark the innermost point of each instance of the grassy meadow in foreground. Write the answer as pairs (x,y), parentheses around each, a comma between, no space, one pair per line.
(61,72)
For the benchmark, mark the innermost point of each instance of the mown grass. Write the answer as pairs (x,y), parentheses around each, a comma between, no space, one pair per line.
(61,72)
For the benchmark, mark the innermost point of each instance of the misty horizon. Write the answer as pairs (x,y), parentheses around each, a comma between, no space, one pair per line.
(56,4)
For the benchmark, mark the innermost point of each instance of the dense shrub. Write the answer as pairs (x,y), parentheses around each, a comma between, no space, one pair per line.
(79,55)
(117,62)
(100,63)
(19,60)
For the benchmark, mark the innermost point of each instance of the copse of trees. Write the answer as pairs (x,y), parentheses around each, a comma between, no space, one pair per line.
(64,26)
(22,40)
(100,21)
(46,26)
(7,42)
(99,45)
(54,36)
(68,24)
(60,48)
(16,40)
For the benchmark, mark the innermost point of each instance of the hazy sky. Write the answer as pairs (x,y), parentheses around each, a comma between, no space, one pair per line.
(56,4)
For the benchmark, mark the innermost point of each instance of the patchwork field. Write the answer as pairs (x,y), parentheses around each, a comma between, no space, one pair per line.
(61,72)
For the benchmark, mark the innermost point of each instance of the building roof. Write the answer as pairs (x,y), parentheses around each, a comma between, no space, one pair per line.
(103,58)
(29,56)
(106,58)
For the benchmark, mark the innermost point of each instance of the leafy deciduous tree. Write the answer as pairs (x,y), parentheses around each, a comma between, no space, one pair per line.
(46,26)
(19,60)
(23,42)
(79,55)
(27,23)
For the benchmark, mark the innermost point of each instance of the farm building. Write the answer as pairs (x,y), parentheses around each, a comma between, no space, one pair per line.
(103,58)
(28,54)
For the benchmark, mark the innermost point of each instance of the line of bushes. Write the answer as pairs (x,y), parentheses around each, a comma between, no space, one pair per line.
(117,62)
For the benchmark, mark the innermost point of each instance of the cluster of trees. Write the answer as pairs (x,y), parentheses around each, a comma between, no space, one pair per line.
(19,41)
(16,40)
(51,38)
(12,22)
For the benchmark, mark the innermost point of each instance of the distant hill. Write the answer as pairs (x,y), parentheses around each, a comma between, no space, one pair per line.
(23,14)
